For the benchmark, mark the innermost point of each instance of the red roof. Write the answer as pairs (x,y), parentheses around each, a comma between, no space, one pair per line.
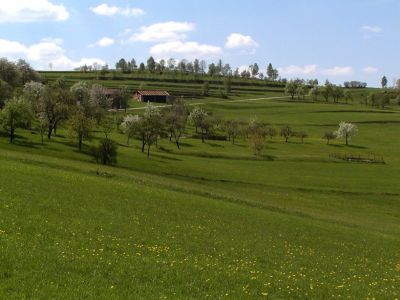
(153,93)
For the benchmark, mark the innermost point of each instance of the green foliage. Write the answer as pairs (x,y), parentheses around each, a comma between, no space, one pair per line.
(329,136)
(106,152)
(80,125)
(17,113)
(286,132)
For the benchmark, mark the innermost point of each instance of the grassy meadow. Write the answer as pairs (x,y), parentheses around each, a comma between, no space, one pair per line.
(211,220)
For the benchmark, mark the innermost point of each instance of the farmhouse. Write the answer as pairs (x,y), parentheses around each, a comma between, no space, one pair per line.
(152,96)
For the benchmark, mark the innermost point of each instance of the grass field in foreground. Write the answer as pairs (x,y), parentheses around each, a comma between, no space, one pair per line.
(211,220)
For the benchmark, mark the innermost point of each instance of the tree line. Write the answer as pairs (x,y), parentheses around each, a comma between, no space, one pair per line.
(184,66)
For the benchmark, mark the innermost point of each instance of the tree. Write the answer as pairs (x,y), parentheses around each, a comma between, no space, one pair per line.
(301,91)
(398,99)
(80,92)
(348,96)
(100,100)
(54,104)
(328,136)
(212,70)
(196,117)
(205,88)
(314,93)
(182,65)
(130,126)
(26,72)
(151,127)
(6,92)
(196,66)
(270,71)
(254,70)
(227,84)
(17,113)
(133,64)
(171,64)
(207,126)
(106,152)
(257,142)
(302,135)
(142,68)
(232,129)
(275,75)
(384,82)
(346,131)
(151,64)
(122,65)
(270,131)
(286,132)
(42,125)
(175,120)
(291,88)
(80,125)
(337,93)
(327,90)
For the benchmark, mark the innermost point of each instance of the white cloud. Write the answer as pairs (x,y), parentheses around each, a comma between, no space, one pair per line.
(370,70)
(309,70)
(163,32)
(298,70)
(104,42)
(371,29)
(108,10)
(337,71)
(31,11)
(42,54)
(237,40)
(189,50)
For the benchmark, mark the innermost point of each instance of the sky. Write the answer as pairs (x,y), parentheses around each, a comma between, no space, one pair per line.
(339,40)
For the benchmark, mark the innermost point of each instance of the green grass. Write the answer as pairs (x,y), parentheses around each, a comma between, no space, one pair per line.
(209,220)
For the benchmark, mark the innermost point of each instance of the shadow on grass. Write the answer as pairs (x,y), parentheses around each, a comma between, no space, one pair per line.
(215,145)
(346,146)
(186,145)
(163,157)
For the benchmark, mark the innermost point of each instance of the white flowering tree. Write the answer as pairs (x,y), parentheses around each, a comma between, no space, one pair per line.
(197,116)
(346,131)
(130,126)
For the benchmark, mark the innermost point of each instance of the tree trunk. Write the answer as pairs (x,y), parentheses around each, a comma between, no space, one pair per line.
(49,132)
(148,151)
(347,139)
(143,143)
(12,134)
(80,143)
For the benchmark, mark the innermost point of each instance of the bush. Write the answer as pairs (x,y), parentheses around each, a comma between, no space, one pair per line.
(106,152)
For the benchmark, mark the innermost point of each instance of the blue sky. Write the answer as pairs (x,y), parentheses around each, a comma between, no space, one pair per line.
(340,40)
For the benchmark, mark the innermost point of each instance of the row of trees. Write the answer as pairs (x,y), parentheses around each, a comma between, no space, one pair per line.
(196,66)
(172,123)
(300,89)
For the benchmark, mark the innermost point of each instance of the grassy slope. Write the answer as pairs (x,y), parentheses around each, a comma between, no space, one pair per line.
(207,220)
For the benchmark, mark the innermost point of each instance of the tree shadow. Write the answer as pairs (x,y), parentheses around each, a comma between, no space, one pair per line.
(215,145)
(186,145)
(356,147)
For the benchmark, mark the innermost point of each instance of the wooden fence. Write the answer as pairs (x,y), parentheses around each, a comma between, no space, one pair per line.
(370,158)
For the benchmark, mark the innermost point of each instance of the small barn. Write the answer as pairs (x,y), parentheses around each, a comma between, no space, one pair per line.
(152,96)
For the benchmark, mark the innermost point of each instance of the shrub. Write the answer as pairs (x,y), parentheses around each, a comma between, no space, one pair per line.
(106,152)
